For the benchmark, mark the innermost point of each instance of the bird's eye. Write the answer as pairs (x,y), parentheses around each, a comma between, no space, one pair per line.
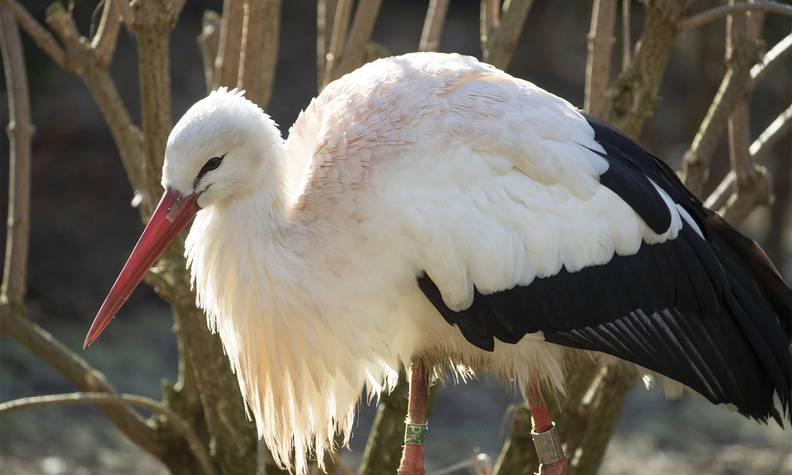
(210,165)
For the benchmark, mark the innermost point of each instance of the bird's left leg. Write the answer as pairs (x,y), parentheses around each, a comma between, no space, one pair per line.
(545,436)
(412,462)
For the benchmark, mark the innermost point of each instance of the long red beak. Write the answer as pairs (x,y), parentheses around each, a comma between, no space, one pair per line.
(173,213)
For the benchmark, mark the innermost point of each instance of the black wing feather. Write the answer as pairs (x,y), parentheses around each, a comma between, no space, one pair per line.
(713,314)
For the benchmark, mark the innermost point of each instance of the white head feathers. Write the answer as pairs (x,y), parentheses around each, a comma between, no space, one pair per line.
(224,124)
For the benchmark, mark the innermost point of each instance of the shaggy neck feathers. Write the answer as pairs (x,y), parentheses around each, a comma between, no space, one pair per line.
(261,291)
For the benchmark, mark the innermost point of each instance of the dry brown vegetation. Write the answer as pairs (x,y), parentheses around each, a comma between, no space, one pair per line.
(199,426)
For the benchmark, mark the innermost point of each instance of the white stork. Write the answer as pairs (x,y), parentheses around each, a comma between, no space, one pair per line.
(432,208)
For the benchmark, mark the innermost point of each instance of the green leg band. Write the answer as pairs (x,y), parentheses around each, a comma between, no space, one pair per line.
(415,433)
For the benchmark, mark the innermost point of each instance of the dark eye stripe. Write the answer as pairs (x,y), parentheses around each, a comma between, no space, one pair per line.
(210,165)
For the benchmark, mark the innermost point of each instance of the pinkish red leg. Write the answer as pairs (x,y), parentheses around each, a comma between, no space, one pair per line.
(412,462)
(548,445)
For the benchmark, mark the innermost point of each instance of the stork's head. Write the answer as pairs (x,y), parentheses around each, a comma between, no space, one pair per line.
(220,149)
(223,148)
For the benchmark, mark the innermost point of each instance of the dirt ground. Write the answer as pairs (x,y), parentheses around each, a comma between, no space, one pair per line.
(654,436)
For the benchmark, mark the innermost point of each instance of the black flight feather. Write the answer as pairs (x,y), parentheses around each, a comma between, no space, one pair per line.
(712,313)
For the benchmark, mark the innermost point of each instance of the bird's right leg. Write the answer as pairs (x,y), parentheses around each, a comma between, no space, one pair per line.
(412,462)
(546,441)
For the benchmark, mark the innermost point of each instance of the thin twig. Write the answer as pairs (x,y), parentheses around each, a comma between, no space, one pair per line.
(325,15)
(626,37)
(598,61)
(383,447)
(738,138)
(227,61)
(208,42)
(716,13)
(738,130)
(104,41)
(489,19)
(634,93)
(338,39)
(503,40)
(151,25)
(766,140)
(772,134)
(433,25)
(37,32)
(81,61)
(221,406)
(478,463)
(126,135)
(732,88)
(259,51)
(771,59)
(62,22)
(359,34)
(722,192)
(126,12)
(80,373)
(20,135)
(103,399)
(742,203)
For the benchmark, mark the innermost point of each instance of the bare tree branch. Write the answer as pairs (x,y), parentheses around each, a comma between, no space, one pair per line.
(126,135)
(104,41)
(489,19)
(125,400)
(152,23)
(227,61)
(626,37)
(342,49)
(37,33)
(732,89)
(722,192)
(518,453)
(338,39)
(384,446)
(233,436)
(608,397)
(741,204)
(771,59)
(781,211)
(598,61)
(80,60)
(359,34)
(202,363)
(260,34)
(20,135)
(501,43)
(80,373)
(716,13)
(770,136)
(747,25)
(636,90)
(738,133)
(208,41)
(60,20)
(325,16)
(433,25)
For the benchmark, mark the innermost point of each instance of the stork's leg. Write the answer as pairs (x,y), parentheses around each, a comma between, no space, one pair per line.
(546,441)
(412,462)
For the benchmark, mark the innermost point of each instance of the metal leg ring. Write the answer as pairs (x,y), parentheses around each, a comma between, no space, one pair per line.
(548,446)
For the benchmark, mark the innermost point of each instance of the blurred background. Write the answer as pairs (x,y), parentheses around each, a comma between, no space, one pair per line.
(83,228)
